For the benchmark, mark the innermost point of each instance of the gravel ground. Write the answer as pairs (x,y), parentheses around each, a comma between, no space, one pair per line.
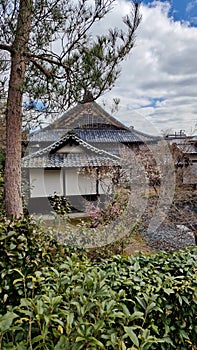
(169,237)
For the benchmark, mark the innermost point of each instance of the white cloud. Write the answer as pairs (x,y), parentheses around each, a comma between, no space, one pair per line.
(158,83)
(191,5)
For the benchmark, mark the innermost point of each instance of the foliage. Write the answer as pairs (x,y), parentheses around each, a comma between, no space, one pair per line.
(2,124)
(164,289)
(54,298)
(25,247)
(182,162)
(113,208)
(151,167)
(2,204)
(63,58)
(119,246)
(2,158)
(60,204)
(184,209)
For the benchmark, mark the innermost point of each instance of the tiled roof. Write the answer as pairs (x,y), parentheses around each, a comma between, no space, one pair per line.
(66,138)
(83,114)
(70,160)
(93,124)
(44,135)
(124,136)
(189,148)
(94,135)
(48,158)
(91,127)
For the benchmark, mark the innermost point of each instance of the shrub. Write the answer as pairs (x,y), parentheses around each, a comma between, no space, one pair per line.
(24,249)
(2,204)
(2,158)
(60,204)
(112,210)
(164,288)
(64,301)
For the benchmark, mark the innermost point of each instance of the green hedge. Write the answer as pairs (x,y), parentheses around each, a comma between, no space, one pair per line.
(53,297)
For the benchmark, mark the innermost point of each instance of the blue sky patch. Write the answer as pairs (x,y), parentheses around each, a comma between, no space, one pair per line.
(181,10)
(36,105)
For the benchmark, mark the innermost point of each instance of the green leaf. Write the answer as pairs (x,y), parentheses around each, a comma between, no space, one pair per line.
(21,346)
(129,331)
(96,342)
(6,321)
(155,328)
(150,307)
(20,273)
(18,280)
(56,300)
(99,325)
(63,341)
(70,319)
(141,302)
(185,300)
(136,266)
(180,299)
(136,315)
(39,306)
(55,271)
(12,246)
(168,291)
(183,334)
(79,339)
(37,339)
(123,346)
(78,346)
(126,310)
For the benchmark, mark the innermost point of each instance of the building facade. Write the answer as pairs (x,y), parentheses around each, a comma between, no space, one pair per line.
(57,156)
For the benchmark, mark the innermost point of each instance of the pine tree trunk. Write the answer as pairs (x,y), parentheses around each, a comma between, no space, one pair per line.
(13,197)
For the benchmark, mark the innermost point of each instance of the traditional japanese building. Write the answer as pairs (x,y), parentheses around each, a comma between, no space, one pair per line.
(86,136)
(185,146)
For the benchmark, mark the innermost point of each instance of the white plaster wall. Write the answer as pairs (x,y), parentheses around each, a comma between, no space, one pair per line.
(70,149)
(77,184)
(44,183)
(37,187)
(71,180)
(53,180)
(87,185)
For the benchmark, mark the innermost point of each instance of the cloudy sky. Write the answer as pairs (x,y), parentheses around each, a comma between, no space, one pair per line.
(158,84)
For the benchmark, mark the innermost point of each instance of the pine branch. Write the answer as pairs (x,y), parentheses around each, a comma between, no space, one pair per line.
(6,47)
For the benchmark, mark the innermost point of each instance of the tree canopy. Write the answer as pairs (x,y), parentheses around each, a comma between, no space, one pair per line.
(63,58)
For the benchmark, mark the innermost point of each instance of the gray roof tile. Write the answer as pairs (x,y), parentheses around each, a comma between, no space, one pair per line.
(67,161)
(94,135)
(48,157)
(99,134)
(83,114)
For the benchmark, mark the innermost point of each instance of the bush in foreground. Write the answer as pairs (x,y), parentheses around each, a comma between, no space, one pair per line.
(53,297)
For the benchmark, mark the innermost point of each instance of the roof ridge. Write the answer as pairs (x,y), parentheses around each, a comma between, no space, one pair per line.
(74,113)
(62,140)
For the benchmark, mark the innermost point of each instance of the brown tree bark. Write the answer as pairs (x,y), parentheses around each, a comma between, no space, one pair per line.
(13,198)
